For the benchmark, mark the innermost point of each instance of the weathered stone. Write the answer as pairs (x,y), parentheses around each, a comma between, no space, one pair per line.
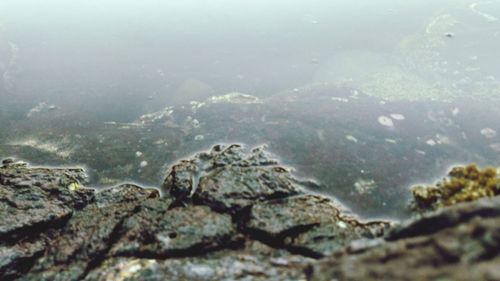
(429,223)
(124,193)
(84,242)
(466,250)
(255,262)
(39,204)
(86,239)
(17,259)
(34,199)
(229,178)
(245,219)
(308,224)
(157,232)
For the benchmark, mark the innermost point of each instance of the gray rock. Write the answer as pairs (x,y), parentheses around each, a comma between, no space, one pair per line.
(228,214)
(33,199)
(229,178)
(468,249)
(157,232)
(254,262)
(124,193)
(312,225)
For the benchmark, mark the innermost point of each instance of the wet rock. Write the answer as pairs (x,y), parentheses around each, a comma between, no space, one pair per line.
(34,199)
(229,178)
(468,249)
(39,205)
(34,202)
(82,244)
(430,223)
(229,267)
(254,262)
(173,233)
(19,258)
(124,193)
(309,224)
(229,214)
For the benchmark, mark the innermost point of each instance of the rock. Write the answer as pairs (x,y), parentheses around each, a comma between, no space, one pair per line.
(255,262)
(34,199)
(34,202)
(157,232)
(82,243)
(464,248)
(430,223)
(124,193)
(7,162)
(227,214)
(229,178)
(311,225)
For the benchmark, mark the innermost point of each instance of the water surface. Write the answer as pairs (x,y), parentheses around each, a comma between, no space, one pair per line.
(366,97)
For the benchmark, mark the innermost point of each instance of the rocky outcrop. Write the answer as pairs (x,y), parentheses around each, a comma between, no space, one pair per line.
(458,243)
(226,214)
(228,179)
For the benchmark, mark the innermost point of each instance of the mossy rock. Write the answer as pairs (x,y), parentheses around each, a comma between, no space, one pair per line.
(463,184)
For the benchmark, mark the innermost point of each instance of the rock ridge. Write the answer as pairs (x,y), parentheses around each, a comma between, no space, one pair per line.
(229,213)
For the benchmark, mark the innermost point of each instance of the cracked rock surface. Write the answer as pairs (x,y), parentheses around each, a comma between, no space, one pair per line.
(230,178)
(226,214)
(466,247)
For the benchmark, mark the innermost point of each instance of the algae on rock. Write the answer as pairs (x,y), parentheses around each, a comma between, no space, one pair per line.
(464,184)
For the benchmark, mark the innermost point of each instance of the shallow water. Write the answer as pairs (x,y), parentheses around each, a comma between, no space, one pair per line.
(366,98)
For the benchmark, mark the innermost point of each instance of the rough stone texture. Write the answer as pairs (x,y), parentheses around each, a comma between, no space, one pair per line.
(34,201)
(229,178)
(309,224)
(429,223)
(36,198)
(83,242)
(254,262)
(156,232)
(229,214)
(124,193)
(467,247)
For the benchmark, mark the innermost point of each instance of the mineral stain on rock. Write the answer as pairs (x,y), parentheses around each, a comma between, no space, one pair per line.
(228,214)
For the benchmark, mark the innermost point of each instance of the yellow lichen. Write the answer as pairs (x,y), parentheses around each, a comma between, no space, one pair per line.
(463,184)
(74,186)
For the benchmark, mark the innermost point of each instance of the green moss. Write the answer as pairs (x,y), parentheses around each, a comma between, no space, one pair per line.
(463,184)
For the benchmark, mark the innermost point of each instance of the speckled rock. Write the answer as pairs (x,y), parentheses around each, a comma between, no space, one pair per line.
(229,178)
(308,224)
(82,243)
(256,261)
(124,193)
(37,198)
(157,232)
(228,214)
(34,202)
(467,249)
